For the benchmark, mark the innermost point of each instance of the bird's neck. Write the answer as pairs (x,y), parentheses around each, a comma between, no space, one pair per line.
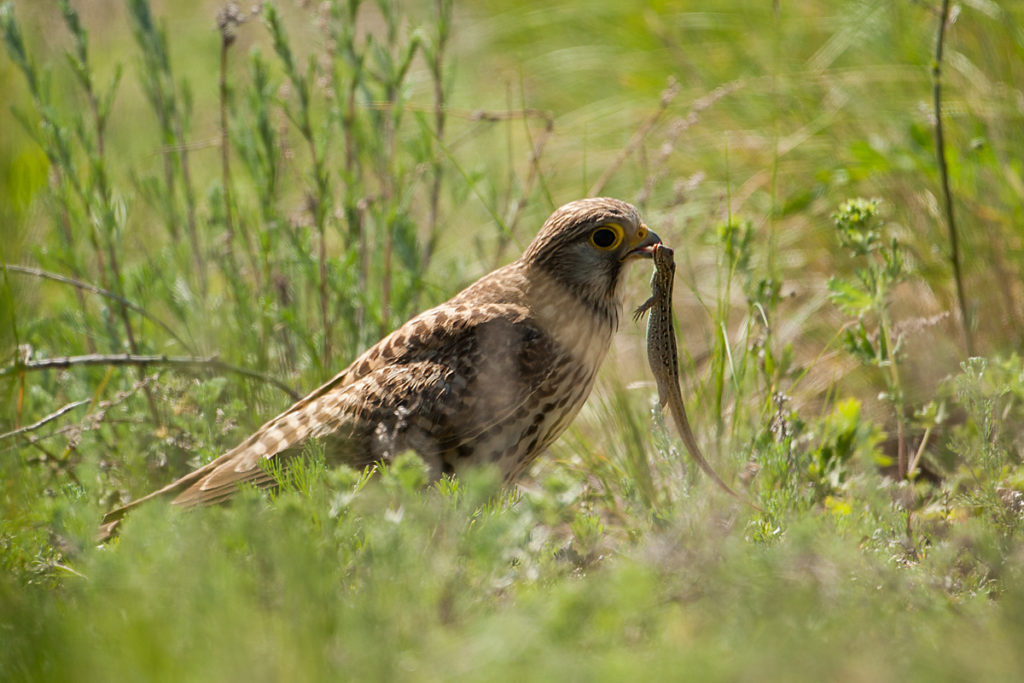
(581,324)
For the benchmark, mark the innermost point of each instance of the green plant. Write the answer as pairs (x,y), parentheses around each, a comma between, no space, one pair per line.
(874,339)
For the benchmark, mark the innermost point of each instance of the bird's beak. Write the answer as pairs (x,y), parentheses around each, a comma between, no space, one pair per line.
(644,248)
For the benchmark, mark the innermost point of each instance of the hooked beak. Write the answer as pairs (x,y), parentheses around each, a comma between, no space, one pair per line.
(644,248)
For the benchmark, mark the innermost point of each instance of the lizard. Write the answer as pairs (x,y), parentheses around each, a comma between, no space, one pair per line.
(663,355)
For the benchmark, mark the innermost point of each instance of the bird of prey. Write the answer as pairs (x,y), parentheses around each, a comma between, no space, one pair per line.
(494,375)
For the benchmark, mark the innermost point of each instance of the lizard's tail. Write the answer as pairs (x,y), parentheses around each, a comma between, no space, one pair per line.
(683,426)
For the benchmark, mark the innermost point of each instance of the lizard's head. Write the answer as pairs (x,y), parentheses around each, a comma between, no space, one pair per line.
(663,256)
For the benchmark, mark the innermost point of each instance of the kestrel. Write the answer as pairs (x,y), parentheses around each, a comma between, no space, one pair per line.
(493,375)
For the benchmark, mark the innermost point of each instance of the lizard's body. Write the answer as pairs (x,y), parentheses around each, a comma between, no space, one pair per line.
(663,355)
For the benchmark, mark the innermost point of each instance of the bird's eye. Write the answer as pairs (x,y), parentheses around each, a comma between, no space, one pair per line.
(607,237)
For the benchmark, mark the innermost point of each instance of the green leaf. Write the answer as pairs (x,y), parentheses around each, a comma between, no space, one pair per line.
(850,299)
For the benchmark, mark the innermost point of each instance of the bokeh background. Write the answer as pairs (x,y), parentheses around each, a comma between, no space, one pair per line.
(258,194)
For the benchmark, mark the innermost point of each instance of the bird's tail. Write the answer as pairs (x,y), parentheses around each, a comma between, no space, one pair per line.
(112,520)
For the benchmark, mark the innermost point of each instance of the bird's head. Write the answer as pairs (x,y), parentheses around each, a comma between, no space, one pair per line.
(585,244)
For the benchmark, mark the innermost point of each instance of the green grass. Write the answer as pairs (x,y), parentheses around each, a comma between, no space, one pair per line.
(380,160)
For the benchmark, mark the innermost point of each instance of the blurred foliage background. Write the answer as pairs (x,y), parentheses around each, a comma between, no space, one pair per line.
(207,209)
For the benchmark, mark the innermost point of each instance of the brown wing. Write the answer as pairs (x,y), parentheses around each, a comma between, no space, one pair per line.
(434,385)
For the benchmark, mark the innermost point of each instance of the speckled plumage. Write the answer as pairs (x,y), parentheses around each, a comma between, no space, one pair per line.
(493,375)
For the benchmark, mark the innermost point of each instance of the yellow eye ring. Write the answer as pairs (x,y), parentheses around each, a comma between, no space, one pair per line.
(607,237)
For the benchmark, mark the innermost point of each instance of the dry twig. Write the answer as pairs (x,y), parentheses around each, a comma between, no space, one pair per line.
(212,363)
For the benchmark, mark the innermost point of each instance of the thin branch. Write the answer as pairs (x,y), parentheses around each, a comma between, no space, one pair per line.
(641,133)
(485,115)
(505,115)
(56,277)
(912,467)
(90,422)
(436,65)
(49,418)
(676,129)
(210,363)
(533,170)
(940,148)
(227,21)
